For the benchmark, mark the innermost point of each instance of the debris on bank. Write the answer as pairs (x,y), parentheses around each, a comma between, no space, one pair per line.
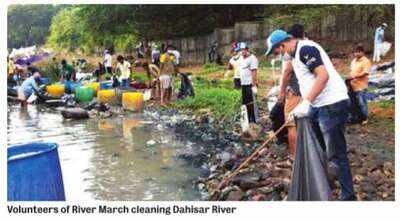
(219,150)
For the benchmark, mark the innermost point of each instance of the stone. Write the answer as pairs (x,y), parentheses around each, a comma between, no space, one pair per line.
(151,143)
(235,195)
(253,133)
(258,197)
(247,180)
(201,186)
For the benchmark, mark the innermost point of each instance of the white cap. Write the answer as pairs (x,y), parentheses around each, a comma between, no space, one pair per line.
(384,24)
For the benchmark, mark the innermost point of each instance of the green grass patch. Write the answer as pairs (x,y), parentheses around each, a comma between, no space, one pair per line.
(139,76)
(221,102)
(209,68)
(200,82)
(386,104)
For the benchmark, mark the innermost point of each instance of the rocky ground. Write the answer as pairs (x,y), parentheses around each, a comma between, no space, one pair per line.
(268,176)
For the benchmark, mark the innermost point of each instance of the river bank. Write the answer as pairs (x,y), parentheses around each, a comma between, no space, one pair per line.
(268,176)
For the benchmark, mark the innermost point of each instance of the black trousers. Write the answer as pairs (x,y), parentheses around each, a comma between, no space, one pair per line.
(236,83)
(248,100)
(109,70)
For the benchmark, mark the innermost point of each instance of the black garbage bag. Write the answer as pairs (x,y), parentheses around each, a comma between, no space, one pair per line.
(309,178)
(186,86)
(12,92)
(75,113)
(277,117)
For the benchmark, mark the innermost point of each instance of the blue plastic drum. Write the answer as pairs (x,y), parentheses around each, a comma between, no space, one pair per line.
(45,81)
(34,173)
(106,85)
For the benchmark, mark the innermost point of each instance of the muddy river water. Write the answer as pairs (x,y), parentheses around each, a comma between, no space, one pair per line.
(109,159)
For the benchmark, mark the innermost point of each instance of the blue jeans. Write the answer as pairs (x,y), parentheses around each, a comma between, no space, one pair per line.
(362,102)
(125,83)
(329,125)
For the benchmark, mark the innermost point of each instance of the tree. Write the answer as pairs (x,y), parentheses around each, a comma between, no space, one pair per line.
(29,24)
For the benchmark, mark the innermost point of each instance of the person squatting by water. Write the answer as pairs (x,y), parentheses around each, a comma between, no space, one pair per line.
(324,101)
(28,87)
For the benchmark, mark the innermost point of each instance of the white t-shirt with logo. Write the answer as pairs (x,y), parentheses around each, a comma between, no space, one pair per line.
(235,61)
(125,69)
(107,60)
(308,56)
(246,65)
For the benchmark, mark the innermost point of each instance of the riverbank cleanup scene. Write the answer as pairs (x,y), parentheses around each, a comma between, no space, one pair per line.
(203,103)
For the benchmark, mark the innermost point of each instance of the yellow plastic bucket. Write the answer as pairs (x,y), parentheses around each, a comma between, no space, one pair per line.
(132,101)
(106,96)
(56,90)
(95,86)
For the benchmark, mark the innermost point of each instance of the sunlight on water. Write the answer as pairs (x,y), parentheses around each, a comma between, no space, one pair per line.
(108,159)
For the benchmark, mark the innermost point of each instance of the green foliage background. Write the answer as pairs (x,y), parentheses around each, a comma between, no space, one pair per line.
(91,28)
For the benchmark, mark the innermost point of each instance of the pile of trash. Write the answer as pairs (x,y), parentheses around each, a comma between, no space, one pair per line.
(218,151)
(27,55)
(382,80)
(385,87)
(268,178)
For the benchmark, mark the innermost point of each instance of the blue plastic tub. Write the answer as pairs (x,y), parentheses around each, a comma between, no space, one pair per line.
(70,85)
(106,85)
(45,81)
(34,173)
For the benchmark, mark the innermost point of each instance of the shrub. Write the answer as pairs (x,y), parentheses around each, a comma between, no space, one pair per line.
(139,76)
(220,101)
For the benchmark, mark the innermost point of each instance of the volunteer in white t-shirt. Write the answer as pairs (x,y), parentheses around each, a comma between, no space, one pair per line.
(324,100)
(107,61)
(248,79)
(125,68)
(378,40)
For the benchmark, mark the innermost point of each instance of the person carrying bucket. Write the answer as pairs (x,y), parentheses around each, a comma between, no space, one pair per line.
(324,101)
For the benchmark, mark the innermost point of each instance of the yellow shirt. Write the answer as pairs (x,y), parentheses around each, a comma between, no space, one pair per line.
(235,62)
(11,66)
(358,68)
(163,57)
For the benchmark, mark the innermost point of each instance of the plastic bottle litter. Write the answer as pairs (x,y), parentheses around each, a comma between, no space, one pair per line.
(151,143)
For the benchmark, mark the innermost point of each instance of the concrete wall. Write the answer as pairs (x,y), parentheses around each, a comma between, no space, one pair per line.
(334,28)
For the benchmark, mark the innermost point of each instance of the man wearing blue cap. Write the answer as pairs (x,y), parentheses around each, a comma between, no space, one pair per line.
(324,100)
